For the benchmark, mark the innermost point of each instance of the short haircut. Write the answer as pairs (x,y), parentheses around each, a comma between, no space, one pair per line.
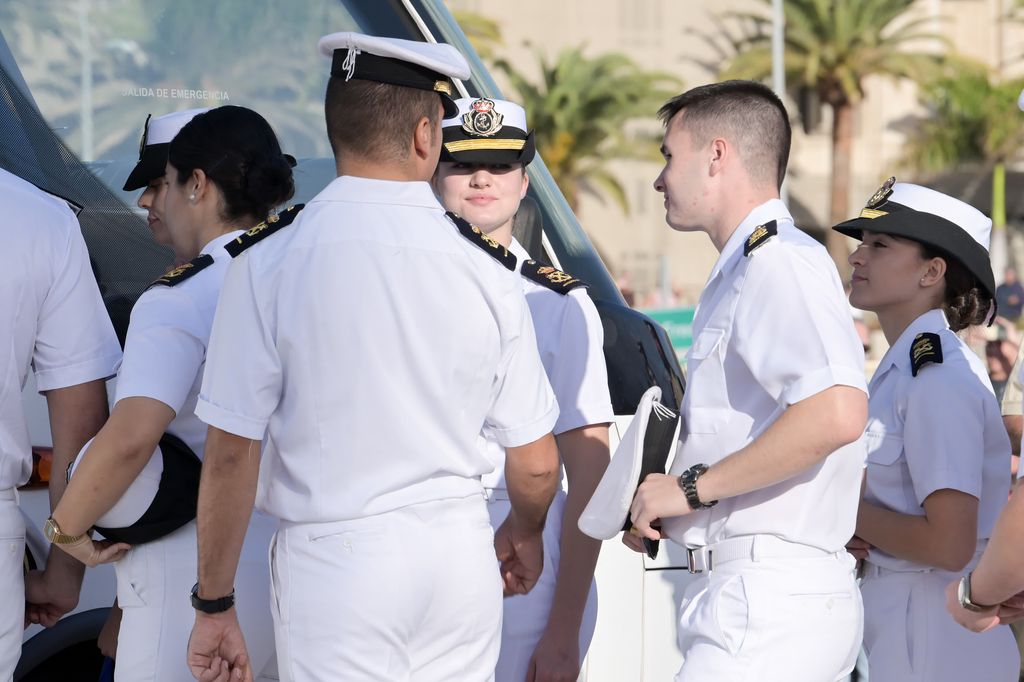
(746,113)
(375,120)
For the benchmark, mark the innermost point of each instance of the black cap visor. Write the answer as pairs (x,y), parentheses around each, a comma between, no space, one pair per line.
(371,67)
(508,145)
(925,228)
(151,166)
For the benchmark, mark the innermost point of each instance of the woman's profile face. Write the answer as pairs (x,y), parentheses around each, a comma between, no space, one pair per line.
(152,199)
(486,195)
(179,215)
(886,271)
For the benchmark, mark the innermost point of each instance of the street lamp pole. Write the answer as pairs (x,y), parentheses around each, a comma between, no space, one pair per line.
(778,63)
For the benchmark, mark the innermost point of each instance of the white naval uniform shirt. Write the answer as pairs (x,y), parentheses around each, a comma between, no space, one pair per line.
(371,342)
(771,329)
(51,314)
(165,350)
(571,344)
(940,429)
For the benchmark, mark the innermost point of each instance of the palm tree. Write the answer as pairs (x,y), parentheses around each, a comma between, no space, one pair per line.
(971,118)
(482,32)
(580,109)
(831,48)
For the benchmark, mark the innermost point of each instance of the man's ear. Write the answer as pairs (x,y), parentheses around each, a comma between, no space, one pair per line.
(424,137)
(720,152)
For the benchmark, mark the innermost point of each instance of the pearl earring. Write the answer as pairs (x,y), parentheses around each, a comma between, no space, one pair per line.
(192,197)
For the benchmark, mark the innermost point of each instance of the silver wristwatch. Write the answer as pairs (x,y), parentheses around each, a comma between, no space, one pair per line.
(963,595)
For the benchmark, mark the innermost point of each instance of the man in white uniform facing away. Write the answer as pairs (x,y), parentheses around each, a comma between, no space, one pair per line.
(763,491)
(53,321)
(369,342)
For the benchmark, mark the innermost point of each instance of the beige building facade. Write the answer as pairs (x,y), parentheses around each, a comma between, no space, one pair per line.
(665,267)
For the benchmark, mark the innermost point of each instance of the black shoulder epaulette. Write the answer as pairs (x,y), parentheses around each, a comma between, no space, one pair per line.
(488,244)
(926,348)
(263,230)
(759,236)
(550,277)
(177,275)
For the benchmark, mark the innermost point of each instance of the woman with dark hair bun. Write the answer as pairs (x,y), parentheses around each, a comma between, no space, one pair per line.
(137,481)
(938,464)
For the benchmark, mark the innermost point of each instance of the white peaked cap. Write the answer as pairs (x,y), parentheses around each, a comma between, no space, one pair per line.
(162,129)
(963,215)
(512,114)
(439,57)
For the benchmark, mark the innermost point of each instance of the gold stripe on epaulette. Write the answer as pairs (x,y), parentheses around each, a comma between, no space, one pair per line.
(476,145)
(872,213)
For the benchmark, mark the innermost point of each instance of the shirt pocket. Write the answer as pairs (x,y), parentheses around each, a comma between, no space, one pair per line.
(707,406)
(887,473)
(705,371)
(883,450)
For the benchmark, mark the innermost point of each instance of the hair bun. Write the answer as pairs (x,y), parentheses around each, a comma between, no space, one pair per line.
(268,182)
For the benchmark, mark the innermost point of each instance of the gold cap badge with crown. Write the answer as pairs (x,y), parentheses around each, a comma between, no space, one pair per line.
(483,120)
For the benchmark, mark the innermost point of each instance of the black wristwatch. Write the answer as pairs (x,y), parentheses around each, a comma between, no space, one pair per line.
(688,484)
(211,605)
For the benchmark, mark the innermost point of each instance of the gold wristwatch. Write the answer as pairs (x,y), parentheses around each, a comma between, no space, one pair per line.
(54,534)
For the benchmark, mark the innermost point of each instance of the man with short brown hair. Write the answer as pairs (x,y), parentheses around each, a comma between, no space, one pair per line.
(369,342)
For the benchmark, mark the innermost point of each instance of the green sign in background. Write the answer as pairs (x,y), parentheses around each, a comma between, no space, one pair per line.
(678,322)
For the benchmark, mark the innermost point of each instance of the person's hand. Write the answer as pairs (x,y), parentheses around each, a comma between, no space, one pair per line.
(107,640)
(555,659)
(859,548)
(51,593)
(521,555)
(981,621)
(216,648)
(95,552)
(1012,609)
(658,497)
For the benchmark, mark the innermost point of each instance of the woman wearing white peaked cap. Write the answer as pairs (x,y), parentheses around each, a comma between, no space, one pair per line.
(938,468)
(482,177)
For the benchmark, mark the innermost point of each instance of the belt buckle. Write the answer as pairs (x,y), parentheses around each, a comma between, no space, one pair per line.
(691,555)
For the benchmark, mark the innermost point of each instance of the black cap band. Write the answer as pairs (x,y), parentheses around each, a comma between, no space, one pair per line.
(370,67)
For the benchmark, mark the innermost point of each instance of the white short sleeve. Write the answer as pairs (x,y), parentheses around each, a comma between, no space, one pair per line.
(793,328)
(75,340)
(943,435)
(577,368)
(164,349)
(524,408)
(242,380)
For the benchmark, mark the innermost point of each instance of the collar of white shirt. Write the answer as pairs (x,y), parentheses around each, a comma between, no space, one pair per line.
(898,355)
(773,209)
(370,191)
(216,246)
(518,251)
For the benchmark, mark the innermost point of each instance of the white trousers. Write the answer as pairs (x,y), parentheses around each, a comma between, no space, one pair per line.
(12,583)
(784,619)
(526,616)
(910,637)
(153,585)
(409,595)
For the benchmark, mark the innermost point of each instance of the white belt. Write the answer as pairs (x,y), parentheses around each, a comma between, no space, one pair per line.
(873,570)
(495,494)
(8,495)
(750,547)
